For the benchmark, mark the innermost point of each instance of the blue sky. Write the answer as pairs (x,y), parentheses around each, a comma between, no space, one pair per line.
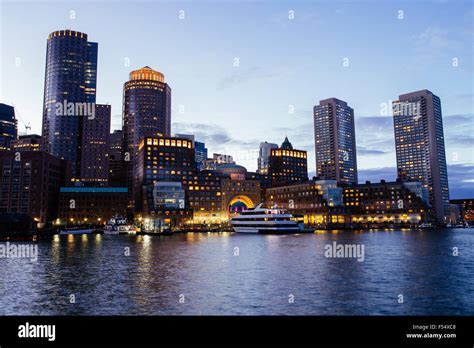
(285,64)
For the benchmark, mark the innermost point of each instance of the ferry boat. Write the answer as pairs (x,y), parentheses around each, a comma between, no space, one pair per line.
(77,230)
(267,221)
(118,225)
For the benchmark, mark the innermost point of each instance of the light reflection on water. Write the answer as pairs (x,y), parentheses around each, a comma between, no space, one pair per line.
(204,268)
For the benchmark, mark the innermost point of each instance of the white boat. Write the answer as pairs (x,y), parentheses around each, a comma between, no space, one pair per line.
(267,221)
(76,231)
(118,225)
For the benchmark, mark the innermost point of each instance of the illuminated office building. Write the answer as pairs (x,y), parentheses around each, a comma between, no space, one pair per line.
(8,126)
(288,165)
(30,142)
(335,143)
(69,94)
(419,144)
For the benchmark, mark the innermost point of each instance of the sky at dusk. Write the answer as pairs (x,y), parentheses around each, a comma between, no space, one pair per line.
(243,72)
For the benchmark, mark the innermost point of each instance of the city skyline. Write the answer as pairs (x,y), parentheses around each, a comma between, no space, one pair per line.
(290,117)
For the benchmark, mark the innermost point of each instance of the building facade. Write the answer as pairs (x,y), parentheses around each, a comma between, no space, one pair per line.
(95,146)
(217,160)
(116,171)
(200,150)
(419,145)
(69,94)
(335,144)
(308,199)
(146,113)
(163,159)
(265,150)
(386,203)
(30,183)
(200,154)
(31,142)
(8,126)
(288,165)
(205,199)
(465,210)
(91,205)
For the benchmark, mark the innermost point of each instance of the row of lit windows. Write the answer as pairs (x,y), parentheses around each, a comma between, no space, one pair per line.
(289,153)
(169,142)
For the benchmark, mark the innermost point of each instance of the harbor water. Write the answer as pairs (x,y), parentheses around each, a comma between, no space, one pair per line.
(401,272)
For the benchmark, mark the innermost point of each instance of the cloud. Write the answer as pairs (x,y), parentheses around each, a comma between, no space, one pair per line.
(368,152)
(435,39)
(241,76)
(204,132)
(461,178)
(219,140)
(459,129)
(374,135)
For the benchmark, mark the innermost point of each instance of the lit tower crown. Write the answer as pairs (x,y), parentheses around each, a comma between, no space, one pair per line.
(147,73)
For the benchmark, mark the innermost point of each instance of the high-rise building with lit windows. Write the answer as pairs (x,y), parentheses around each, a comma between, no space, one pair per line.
(335,144)
(115,158)
(162,159)
(69,93)
(8,126)
(287,165)
(95,146)
(28,142)
(419,144)
(146,113)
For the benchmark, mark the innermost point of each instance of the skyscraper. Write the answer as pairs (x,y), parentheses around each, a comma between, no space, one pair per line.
(264,156)
(8,126)
(69,94)
(419,144)
(334,135)
(95,141)
(146,113)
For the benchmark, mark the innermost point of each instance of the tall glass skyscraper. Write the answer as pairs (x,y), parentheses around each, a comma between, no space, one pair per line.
(69,92)
(8,126)
(146,113)
(419,144)
(334,135)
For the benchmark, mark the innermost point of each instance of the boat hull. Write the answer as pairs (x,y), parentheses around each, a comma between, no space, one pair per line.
(85,231)
(269,230)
